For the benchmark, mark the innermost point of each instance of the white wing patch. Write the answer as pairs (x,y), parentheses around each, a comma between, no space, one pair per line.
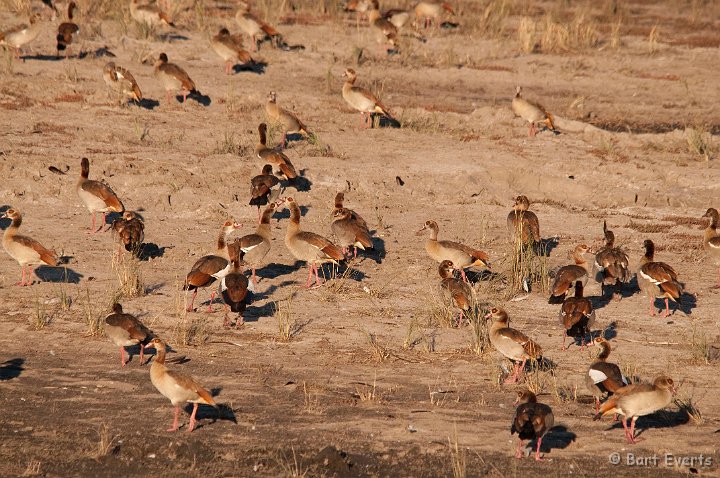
(597,376)
(650,278)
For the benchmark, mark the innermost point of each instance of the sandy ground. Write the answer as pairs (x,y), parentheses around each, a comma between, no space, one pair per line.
(328,402)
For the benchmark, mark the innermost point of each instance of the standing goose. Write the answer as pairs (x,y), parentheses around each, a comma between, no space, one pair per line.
(512,343)
(308,246)
(130,231)
(255,28)
(523,223)
(576,316)
(26,251)
(711,240)
(19,36)
(532,421)
(255,246)
(121,81)
(275,158)
(339,200)
(531,112)
(460,255)
(208,268)
(362,100)
(230,48)
(431,11)
(261,188)
(638,400)
(97,196)
(455,292)
(67,31)
(603,378)
(384,31)
(566,276)
(349,232)
(611,266)
(288,122)
(177,387)
(125,330)
(174,78)
(657,279)
(234,288)
(150,15)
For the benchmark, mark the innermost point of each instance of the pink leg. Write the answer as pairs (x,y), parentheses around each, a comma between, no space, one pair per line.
(462,273)
(259,215)
(210,307)
(192,302)
(537,450)
(228,67)
(192,418)
(102,224)
(317,277)
(185,95)
(28,277)
(355,253)
(122,356)
(92,227)
(652,306)
(176,420)
(667,307)
(564,338)
(597,405)
(283,145)
(632,430)
(168,96)
(513,378)
(518,449)
(142,354)
(254,277)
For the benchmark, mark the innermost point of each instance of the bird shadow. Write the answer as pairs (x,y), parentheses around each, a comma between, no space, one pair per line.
(558,437)
(545,246)
(660,419)
(274,270)
(150,250)
(98,53)
(384,121)
(111,217)
(285,213)
(254,313)
(58,274)
(342,271)
(300,183)
(11,369)
(608,333)
(147,103)
(257,296)
(378,252)
(284,46)
(41,57)
(257,67)
(169,37)
(625,291)
(483,275)
(686,303)
(197,97)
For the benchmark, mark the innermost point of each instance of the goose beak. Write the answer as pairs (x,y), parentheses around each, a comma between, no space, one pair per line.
(420,231)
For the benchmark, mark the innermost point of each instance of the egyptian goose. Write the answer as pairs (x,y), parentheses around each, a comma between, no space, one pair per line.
(177,387)
(261,188)
(531,112)
(576,316)
(25,250)
(611,266)
(308,246)
(523,223)
(234,288)
(19,36)
(603,378)
(396,16)
(230,48)
(256,246)
(566,276)
(637,400)
(460,255)
(97,196)
(657,279)
(150,15)
(288,122)
(512,343)
(384,31)
(275,158)
(711,239)
(125,330)
(361,99)
(532,421)
(121,81)
(174,78)
(339,200)
(455,292)
(67,31)
(429,11)
(350,232)
(208,268)
(130,230)
(255,28)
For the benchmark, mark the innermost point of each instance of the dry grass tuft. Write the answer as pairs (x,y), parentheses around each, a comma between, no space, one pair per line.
(526,35)
(368,393)
(33,468)
(579,34)
(699,142)
(529,266)
(106,440)
(458,459)
(41,317)
(127,268)
(94,311)
(479,333)
(288,326)
(290,467)
(311,400)
(379,352)
(653,37)
(649,228)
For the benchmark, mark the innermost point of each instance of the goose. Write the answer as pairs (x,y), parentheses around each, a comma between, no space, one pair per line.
(455,292)
(255,246)
(566,276)
(532,421)
(234,289)
(150,15)
(576,316)
(384,31)
(531,112)
(431,11)
(349,232)
(638,400)
(512,343)
(611,266)
(339,200)
(229,48)
(97,196)
(125,330)
(362,100)
(173,78)
(177,387)
(288,122)
(67,31)
(19,36)
(261,188)
(657,279)
(523,224)
(711,240)
(308,246)
(255,28)
(460,255)
(130,230)
(121,81)
(275,158)
(26,251)
(603,378)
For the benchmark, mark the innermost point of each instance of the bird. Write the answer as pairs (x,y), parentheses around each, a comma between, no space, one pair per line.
(397,16)
(121,81)
(638,400)
(178,387)
(576,316)
(234,287)
(339,200)
(362,100)
(125,330)
(230,48)
(611,266)
(384,31)
(97,196)
(711,240)
(26,251)
(657,279)
(208,268)
(19,36)
(460,255)
(67,31)
(308,246)
(275,158)
(261,188)
(255,28)
(532,421)
(566,276)
(455,292)
(350,232)
(130,230)
(174,78)
(255,246)
(287,121)
(150,15)
(603,378)
(532,112)
(429,11)
(522,224)
(512,343)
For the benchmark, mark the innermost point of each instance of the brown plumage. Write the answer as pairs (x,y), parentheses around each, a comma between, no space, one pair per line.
(234,288)
(230,48)
(512,343)
(532,421)
(254,247)
(577,316)
(603,378)
(384,31)
(97,196)
(430,11)
(455,292)
(711,240)
(566,276)
(362,100)
(288,122)
(460,255)
(261,188)
(349,232)
(125,330)
(26,251)
(275,158)
(19,36)
(612,265)
(130,231)
(150,15)
(339,201)
(67,31)
(658,280)
(531,112)
(257,29)
(121,81)
(173,78)
(523,223)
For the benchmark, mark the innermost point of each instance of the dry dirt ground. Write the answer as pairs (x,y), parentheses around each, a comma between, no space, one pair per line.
(372,381)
